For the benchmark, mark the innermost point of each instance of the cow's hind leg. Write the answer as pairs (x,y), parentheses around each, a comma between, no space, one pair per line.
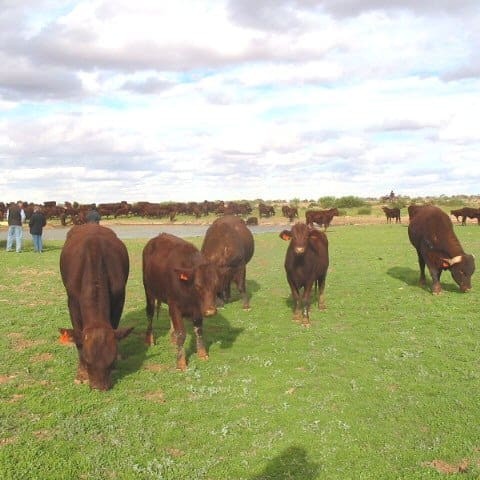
(150,308)
(321,293)
(198,329)
(241,281)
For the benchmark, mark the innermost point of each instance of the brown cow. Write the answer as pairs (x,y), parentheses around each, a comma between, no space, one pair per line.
(290,212)
(466,212)
(392,213)
(321,217)
(229,245)
(431,233)
(176,273)
(306,264)
(94,266)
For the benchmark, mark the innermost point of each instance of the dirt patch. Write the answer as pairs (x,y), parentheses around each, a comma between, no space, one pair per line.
(448,468)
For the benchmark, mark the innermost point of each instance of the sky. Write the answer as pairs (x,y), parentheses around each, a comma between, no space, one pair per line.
(192,100)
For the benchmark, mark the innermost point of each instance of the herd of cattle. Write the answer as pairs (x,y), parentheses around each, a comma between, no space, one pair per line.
(192,282)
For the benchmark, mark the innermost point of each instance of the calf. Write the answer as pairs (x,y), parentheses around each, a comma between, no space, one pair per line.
(94,266)
(431,233)
(306,264)
(176,273)
(229,245)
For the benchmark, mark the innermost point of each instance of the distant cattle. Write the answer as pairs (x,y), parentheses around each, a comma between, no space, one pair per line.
(229,245)
(320,217)
(252,221)
(392,213)
(175,272)
(290,212)
(94,266)
(265,210)
(466,212)
(306,265)
(431,233)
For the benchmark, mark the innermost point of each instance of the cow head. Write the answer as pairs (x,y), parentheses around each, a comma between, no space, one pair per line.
(299,237)
(98,350)
(462,268)
(203,280)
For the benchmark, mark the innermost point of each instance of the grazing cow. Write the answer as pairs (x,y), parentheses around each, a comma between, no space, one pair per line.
(466,212)
(94,266)
(229,245)
(321,217)
(392,213)
(290,212)
(177,273)
(431,233)
(306,265)
(265,210)
(252,221)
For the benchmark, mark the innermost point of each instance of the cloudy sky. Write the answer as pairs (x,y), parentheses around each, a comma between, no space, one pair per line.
(158,100)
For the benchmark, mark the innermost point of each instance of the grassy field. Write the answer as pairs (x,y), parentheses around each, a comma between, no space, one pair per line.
(384,385)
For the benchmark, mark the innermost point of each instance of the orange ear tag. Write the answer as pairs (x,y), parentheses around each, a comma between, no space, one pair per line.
(65,338)
(183,276)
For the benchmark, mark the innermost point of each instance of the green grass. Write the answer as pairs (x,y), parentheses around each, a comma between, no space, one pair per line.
(384,385)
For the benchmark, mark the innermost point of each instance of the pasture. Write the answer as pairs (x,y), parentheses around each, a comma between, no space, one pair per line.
(385,384)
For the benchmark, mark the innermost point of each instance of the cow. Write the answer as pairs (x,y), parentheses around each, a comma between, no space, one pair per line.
(265,210)
(229,245)
(392,213)
(306,265)
(413,210)
(177,273)
(431,233)
(290,212)
(94,267)
(466,212)
(321,217)
(252,221)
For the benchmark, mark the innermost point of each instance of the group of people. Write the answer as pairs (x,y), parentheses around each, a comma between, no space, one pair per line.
(16,218)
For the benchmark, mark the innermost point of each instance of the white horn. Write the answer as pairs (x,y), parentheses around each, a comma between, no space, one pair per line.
(454,260)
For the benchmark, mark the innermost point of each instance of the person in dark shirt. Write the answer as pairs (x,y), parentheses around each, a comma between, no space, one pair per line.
(36,223)
(15,219)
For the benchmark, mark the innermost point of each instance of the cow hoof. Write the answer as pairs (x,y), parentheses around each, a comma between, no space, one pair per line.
(202,355)
(149,340)
(182,365)
(246,308)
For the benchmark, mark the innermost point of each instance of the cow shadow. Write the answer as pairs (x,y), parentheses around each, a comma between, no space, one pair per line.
(292,463)
(410,277)
(216,330)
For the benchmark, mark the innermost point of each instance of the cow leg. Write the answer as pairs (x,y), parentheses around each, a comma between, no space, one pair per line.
(321,293)
(82,373)
(307,293)
(436,287)
(296,300)
(116,308)
(150,308)
(180,335)
(198,329)
(241,281)
(421,263)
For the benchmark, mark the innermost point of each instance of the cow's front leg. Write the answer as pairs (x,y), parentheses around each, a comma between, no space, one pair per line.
(198,329)
(82,373)
(321,294)
(180,335)
(307,292)
(436,287)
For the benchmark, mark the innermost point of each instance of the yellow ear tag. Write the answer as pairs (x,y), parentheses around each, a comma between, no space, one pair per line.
(183,276)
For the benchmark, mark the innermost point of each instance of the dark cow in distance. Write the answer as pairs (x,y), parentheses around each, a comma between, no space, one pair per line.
(431,233)
(306,265)
(321,217)
(392,213)
(175,272)
(94,266)
(290,212)
(466,212)
(265,210)
(229,245)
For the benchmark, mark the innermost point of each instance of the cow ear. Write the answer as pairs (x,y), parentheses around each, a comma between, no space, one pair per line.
(66,336)
(286,235)
(121,333)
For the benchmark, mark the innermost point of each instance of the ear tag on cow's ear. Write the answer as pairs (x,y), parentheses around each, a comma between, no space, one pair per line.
(445,264)
(184,277)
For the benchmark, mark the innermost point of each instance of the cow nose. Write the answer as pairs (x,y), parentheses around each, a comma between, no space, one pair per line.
(299,250)
(210,311)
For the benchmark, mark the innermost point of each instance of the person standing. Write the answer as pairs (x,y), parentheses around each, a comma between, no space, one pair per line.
(15,219)
(36,223)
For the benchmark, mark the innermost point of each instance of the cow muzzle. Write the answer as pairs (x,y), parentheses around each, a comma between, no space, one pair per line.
(210,311)
(299,250)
